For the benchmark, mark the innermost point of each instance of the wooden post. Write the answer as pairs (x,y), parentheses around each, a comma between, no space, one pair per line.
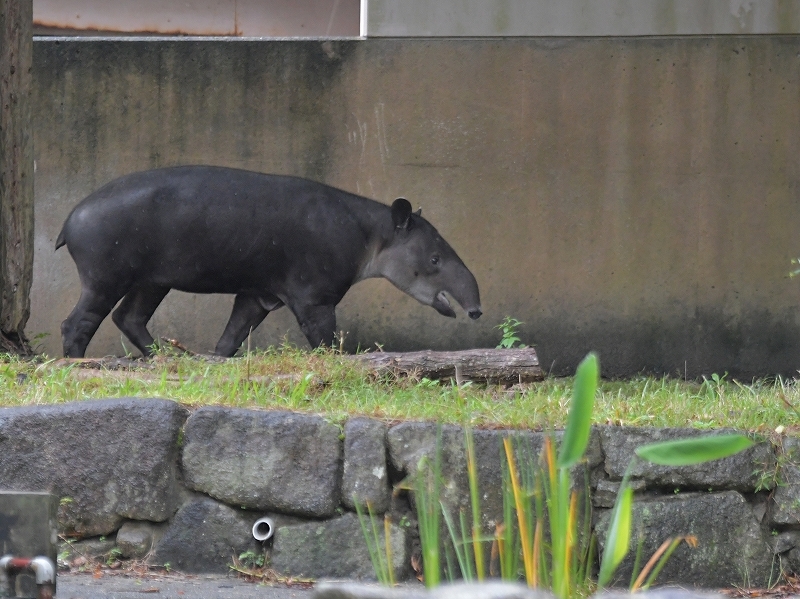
(16,172)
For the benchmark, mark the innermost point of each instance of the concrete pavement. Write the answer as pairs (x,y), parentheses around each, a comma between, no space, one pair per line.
(118,586)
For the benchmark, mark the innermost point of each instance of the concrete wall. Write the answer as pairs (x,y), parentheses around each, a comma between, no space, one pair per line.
(477,18)
(638,197)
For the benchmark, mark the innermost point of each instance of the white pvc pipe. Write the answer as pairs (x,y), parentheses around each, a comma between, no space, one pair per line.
(263,529)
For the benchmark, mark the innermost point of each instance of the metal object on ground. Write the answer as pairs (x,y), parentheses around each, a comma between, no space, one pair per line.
(28,537)
(42,567)
(263,529)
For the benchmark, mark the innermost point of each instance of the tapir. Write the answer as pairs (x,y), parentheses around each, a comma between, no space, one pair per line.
(272,240)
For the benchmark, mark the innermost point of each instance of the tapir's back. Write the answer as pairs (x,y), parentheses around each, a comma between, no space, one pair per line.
(212,229)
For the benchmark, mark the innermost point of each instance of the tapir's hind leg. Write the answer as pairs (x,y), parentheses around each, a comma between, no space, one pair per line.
(318,324)
(248,312)
(134,312)
(80,326)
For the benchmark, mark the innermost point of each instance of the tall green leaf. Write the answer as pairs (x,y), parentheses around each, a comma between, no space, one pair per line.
(475,502)
(382,564)
(579,421)
(619,535)
(686,452)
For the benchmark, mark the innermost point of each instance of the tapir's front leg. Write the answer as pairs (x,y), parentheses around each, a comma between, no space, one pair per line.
(318,324)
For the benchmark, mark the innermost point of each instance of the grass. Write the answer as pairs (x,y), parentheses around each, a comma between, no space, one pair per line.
(330,384)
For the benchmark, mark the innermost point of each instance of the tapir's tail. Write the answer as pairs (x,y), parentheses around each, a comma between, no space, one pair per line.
(60,239)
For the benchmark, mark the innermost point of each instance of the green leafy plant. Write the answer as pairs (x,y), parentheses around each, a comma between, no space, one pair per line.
(554,536)
(714,387)
(561,559)
(251,564)
(251,559)
(545,534)
(427,493)
(467,538)
(113,556)
(474,496)
(380,554)
(509,338)
(299,392)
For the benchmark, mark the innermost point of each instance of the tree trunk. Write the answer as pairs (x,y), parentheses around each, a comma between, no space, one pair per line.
(16,173)
(505,366)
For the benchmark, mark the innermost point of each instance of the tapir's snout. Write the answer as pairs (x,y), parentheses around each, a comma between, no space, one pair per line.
(465,292)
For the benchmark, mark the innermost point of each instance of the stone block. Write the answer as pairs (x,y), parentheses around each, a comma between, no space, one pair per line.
(786,498)
(334,549)
(204,537)
(365,478)
(786,547)
(272,461)
(605,493)
(107,460)
(136,539)
(410,441)
(741,472)
(732,548)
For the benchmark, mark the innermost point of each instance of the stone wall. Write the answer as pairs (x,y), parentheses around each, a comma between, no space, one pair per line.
(149,479)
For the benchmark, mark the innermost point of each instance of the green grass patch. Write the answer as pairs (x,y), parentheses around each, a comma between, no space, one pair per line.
(330,384)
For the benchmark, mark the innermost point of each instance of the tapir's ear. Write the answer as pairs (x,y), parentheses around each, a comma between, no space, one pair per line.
(419,212)
(401,213)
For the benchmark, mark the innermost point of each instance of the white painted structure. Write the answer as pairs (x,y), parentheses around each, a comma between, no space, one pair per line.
(504,18)
(417,18)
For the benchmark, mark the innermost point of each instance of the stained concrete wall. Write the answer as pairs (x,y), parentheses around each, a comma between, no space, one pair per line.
(638,197)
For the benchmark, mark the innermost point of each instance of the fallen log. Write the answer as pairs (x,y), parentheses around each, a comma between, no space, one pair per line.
(503,366)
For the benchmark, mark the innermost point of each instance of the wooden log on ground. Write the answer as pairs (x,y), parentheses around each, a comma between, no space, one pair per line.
(503,366)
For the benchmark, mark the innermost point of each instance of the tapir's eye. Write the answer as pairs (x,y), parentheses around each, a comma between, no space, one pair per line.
(435,259)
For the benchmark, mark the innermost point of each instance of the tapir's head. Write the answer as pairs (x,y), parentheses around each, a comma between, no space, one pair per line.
(418,261)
